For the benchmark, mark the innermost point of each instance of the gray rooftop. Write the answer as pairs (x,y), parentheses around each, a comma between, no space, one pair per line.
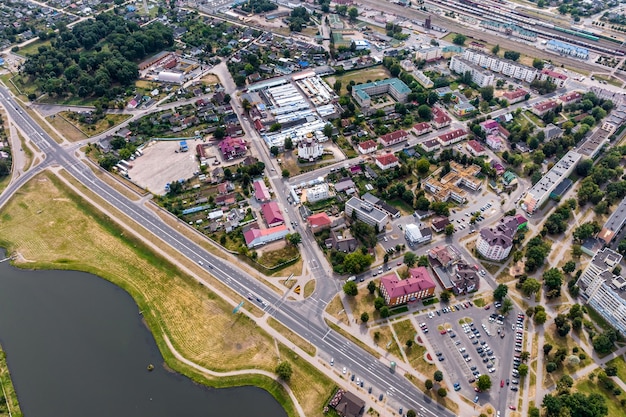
(366,208)
(556,174)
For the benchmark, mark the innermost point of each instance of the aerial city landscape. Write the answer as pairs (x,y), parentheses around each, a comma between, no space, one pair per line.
(319,208)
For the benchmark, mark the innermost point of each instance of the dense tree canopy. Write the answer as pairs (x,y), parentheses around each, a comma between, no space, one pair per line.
(78,63)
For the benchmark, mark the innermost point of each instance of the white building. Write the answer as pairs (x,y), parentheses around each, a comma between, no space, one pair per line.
(318,192)
(428,53)
(540,192)
(367,213)
(567,49)
(414,235)
(495,243)
(480,76)
(503,66)
(310,149)
(603,290)
(171,77)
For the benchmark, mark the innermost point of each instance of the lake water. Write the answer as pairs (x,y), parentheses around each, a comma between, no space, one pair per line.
(76,346)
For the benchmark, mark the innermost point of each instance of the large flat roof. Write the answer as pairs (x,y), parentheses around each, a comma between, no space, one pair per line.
(555,175)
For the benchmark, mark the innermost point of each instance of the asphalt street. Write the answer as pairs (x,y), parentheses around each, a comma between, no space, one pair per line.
(304,318)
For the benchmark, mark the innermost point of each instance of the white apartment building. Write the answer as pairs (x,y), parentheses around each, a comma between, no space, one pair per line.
(480,76)
(503,66)
(603,290)
(367,213)
(318,192)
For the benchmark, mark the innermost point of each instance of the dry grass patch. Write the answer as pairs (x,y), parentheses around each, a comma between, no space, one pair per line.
(28,153)
(336,310)
(415,354)
(363,302)
(65,128)
(309,288)
(383,338)
(48,222)
(292,337)
(359,76)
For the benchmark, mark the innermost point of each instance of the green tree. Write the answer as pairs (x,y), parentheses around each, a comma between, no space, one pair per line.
(553,278)
(285,173)
(512,55)
(428,384)
(294,238)
(438,376)
(500,292)
(507,306)
(284,371)
(496,49)
(384,312)
(353,13)
(410,259)
(409,343)
(423,166)
(328,130)
(379,302)
(219,133)
(412,413)
(445,296)
(530,286)
(483,383)
(569,267)
(350,288)
(540,317)
(371,287)
(538,63)
(274,151)
(425,112)
(449,229)
(523,370)
(487,93)
(365,317)
(547,347)
(551,367)
(288,144)
(442,392)
(459,39)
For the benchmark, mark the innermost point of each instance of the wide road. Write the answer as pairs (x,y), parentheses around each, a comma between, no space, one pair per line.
(304,318)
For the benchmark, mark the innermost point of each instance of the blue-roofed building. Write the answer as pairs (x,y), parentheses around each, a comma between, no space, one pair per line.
(567,49)
(183,146)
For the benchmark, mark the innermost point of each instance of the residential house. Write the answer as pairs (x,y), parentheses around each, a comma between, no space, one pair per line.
(489,126)
(494,142)
(417,286)
(475,148)
(415,235)
(452,137)
(552,132)
(225,187)
(232,148)
(272,214)
(342,241)
(256,237)
(515,96)
(387,161)
(346,404)
(495,243)
(544,107)
(439,223)
(571,98)
(393,138)
(368,146)
(318,222)
(554,77)
(261,192)
(431,145)
(422,128)
(317,193)
(440,118)
(366,213)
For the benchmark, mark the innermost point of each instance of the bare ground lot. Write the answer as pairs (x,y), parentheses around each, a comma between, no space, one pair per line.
(161,164)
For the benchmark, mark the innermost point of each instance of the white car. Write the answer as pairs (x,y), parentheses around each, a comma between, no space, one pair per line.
(332,361)
(344,370)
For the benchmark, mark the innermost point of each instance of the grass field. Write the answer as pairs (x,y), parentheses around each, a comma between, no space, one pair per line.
(620,364)
(359,76)
(415,354)
(384,339)
(73,130)
(309,288)
(292,337)
(9,407)
(612,402)
(49,223)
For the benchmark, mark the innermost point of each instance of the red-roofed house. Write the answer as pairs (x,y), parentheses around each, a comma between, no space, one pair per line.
(318,222)
(225,187)
(257,237)
(475,148)
(515,96)
(440,118)
(261,193)
(368,146)
(416,287)
(272,214)
(453,137)
(554,77)
(422,128)
(571,98)
(393,138)
(542,108)
(232,148)
(387,161)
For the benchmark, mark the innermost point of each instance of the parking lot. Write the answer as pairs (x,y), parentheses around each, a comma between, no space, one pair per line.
(471,341)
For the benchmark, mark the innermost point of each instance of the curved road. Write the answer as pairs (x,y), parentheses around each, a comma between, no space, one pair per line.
(304,318)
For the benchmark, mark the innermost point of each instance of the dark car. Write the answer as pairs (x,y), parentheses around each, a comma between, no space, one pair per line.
(380,397)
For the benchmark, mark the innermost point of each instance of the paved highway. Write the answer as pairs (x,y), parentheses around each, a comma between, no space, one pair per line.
(304,318)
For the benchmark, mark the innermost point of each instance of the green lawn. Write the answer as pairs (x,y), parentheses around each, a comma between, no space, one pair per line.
(612,402)
(620,364)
